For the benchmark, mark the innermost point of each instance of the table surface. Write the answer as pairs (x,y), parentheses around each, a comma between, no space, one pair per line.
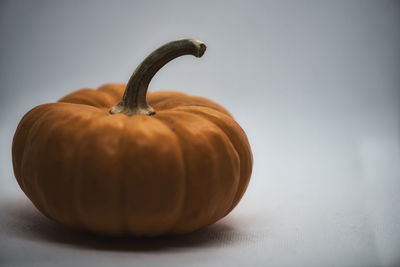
(314,84)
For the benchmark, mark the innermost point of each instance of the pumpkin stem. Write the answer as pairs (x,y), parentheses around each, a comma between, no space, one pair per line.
(134,98)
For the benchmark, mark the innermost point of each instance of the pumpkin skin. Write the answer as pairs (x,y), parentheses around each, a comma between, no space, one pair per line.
(181,169)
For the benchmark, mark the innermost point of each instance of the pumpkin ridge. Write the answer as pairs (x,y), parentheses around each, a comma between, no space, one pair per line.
(123,210)
(230,142)
(76,119)
(18,147)
(243,176)
(74,190)
(53,131)
(215,180)
(77,167)
(181,101)
(201,106)
(214,217)
(173,225)
(162,95)
(155,194)
(34,130)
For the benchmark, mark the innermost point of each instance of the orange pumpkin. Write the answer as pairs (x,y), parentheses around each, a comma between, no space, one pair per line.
(168,163)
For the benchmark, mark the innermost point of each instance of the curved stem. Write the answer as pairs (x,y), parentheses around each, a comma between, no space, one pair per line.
(134,98)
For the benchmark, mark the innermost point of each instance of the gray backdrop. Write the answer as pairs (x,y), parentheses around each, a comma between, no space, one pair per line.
(315,85)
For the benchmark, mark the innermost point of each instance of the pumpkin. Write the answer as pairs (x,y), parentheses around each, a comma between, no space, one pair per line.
(120,161)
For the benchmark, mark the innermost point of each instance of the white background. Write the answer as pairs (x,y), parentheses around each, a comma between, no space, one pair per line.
(315,85)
